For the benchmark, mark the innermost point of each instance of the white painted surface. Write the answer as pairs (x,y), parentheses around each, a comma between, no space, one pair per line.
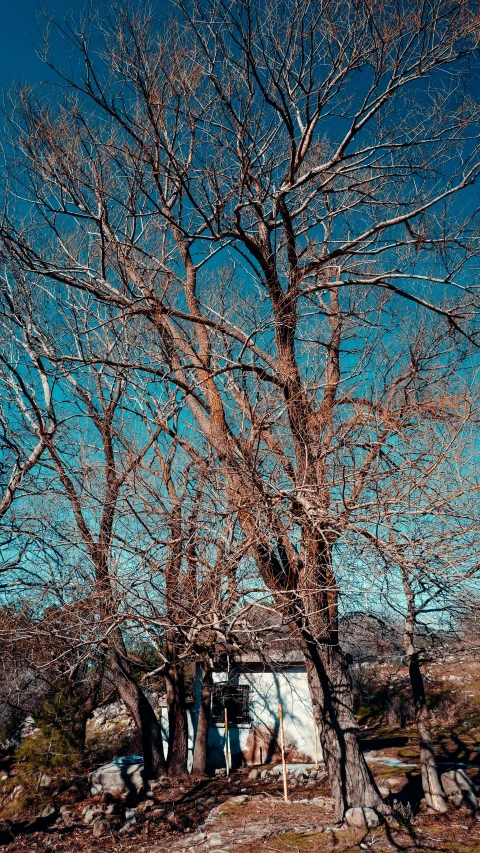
(267,689)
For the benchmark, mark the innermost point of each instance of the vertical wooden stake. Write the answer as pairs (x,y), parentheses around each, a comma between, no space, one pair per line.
(315,739)
(284,763)
(227,745)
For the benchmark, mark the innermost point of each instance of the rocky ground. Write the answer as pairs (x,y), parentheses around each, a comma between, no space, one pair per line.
(246,813)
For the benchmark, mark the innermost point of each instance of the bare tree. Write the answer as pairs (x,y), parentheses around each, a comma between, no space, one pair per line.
(318,153)
(27,419)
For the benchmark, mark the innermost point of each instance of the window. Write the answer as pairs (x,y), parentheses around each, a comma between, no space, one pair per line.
(235,698)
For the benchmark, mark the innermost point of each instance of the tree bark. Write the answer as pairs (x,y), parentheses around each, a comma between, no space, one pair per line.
(330,686)
(177,721)
(203,723)
(138,707)
(431,784)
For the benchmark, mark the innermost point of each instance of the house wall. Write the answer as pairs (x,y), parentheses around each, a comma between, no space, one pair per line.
(259,741)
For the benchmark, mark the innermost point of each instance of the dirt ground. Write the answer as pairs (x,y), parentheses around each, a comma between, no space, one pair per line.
(222,815)
(198,815)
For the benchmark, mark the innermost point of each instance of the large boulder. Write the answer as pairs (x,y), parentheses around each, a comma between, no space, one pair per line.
(362,817)
(122,776)
(459,788)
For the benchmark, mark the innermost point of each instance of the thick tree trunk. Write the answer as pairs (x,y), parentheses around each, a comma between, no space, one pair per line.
(203,723)
(431,784)
(177,721)
(138,707)
(330,685)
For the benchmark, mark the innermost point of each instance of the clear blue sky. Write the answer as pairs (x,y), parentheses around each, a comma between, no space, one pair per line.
(19,35)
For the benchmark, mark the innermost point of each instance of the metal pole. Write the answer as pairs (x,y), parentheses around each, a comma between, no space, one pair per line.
(284,763)
(315,743)
(227,746)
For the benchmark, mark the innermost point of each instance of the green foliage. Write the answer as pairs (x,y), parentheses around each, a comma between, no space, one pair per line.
(58,744)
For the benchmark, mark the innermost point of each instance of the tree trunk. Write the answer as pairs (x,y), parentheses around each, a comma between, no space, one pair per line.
(177,721)
(330,686)
(431,784)
(203,723)
(138,707)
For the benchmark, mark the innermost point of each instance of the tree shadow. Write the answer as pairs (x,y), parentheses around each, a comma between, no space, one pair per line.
(13,829)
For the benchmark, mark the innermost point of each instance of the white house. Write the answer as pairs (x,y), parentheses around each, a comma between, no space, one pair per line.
(251,688)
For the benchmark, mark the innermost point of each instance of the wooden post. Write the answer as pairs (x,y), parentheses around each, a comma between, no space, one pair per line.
(227,745)
(284,763)
(315,741)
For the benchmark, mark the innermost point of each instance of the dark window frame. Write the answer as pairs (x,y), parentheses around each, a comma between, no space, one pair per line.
(236,697)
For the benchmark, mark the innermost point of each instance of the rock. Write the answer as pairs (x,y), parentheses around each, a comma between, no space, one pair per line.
(48,811)
(395,780)
(265,774)
(254,774)
(100,827)
(121,777)
(276,771)
(64,809)
(146,806)
(91,814)
(236,801)
(130,814)
(362,818)
(113,808)
(383,791)
(459,788)
(300,774)
(215,840)
(127,827)
(311,784)
(220,772)
(313,774)
(44,781)
(170,816)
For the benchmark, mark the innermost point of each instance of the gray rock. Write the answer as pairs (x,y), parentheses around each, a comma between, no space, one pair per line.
(120,777)
(215,840)
(362,818)
(276,771)
(383,791)
(48,811)
(265,774)
(254,774)
(130,814)
(311,784)
(220,772)
(100,827)
(91,814)
(64,809)
(460,789)
(236,801)
(44,781)
(313,774)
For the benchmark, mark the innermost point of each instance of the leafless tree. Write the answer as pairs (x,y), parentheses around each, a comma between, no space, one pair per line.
(322,155)
(27,419)
(424,537)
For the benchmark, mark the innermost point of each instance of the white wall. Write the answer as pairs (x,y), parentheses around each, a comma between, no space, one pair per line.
(254,742)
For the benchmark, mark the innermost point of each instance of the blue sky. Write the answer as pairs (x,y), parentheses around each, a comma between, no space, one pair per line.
(19,35)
